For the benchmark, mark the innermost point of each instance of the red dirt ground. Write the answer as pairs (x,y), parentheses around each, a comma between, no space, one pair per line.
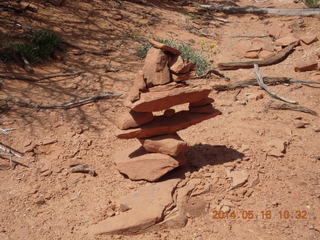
(46,201)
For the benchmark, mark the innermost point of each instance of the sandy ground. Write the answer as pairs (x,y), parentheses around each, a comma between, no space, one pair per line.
(46,201)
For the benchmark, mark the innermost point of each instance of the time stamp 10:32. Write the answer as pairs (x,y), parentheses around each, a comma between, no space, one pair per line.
(267,214)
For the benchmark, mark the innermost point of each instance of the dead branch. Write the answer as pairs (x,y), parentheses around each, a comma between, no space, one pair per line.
(83,168)
(6,131)
(9,151)
(33,79)
(270,81)
(284,106)
(282,55)
(268,90)
(215,72)
(254,10)
(65,105)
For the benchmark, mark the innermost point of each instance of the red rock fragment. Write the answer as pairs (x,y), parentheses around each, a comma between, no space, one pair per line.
(164,47)
(133,119)
(306,65)
(170,144)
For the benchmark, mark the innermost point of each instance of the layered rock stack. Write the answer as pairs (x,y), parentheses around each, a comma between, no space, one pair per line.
(158,87)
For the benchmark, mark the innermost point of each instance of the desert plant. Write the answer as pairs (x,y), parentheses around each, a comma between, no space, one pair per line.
(42,44)
(312,3)
(187,52)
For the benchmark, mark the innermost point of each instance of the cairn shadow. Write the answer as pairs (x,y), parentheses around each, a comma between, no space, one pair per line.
(201,155)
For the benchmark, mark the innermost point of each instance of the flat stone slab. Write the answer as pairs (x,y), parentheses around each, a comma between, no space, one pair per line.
(147,207)
(138,164)
(166,125)
(161,100)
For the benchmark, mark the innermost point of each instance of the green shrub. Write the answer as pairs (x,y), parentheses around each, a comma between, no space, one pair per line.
(186,53)
(41,46)
(312,3)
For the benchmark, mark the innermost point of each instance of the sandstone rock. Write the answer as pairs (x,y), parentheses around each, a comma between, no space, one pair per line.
(181,77)
(276,147)
(132,96)
(286,41)
(308,39)
(239,178)
(182,66)
(141,165)
(155,69)
(167,87)
(252,54)
(278,31)
(301,124)
(309,64)
(164,47)
(133,119)
(139,81)
(266,54)
(147,205)
(169,112)
(158,101)
(202,109)
(162,125)
(170,144)
(202,102)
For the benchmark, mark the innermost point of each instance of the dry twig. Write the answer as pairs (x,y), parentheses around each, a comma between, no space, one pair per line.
(33,79)
(266,62)
(284,106)
(268,90)
(254,10)
(67,105)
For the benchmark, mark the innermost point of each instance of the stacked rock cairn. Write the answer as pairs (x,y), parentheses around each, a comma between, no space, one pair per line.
(158,87)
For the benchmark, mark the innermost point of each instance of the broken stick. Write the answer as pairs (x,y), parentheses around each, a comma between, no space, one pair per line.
(284,106)
(255,10)
(268,90)
(282,55)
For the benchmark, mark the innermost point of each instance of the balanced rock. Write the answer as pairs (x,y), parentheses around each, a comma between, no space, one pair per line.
(156,70)
(138,164)
(164,47)
(161,100)
(181,66)
(133,119)
(163,125)
(170,144)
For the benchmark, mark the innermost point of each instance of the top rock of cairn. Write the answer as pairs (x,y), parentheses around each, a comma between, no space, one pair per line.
(159,86)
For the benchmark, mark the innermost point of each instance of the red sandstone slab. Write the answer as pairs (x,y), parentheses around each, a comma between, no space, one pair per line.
(164,125)
(158,101)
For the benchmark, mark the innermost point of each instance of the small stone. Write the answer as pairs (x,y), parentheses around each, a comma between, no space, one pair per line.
(278,31)
(239,178)
(170,144)
(202,109)
(255,96)
(182,66)
(301,124)
(276,147)
(264,54)
(132,119)
(202,102)
(181,77)
(252,54)
(308,39)
(309,64)
(286,41)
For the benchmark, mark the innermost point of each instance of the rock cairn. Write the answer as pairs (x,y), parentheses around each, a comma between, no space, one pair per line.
(158,87)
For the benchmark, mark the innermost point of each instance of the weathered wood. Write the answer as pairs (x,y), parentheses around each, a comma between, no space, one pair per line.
(254,10)
(282,55)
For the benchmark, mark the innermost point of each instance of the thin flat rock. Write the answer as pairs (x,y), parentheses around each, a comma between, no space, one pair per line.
(164,125)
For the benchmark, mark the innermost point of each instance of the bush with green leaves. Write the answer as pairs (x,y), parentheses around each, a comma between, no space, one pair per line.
(41,46)
(312,3)
(187,52)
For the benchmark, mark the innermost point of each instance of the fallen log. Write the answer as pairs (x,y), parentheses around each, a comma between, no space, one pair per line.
(282,55)
(255,10)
